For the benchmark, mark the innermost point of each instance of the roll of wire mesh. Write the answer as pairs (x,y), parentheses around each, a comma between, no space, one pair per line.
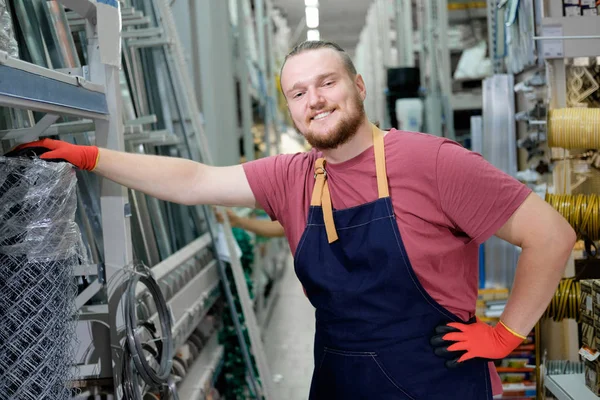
(574,128)
(39,246)
(580,210)
(565,302)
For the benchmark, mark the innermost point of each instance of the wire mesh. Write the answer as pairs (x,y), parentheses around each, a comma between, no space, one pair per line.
(8,41)
(39,245)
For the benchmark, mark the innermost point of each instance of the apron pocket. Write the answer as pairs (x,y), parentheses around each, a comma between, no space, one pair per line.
(350,375)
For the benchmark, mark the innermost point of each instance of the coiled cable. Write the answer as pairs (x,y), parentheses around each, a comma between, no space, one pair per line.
(565,302)
(580,210)
(135,361)
(574,128)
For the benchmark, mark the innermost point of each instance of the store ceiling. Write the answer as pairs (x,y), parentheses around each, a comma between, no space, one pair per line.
(340,21)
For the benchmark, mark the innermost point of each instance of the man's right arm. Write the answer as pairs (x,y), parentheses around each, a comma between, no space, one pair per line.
(176,179)
(167,178)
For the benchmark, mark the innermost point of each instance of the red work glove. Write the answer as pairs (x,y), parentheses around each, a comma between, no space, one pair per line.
(462,342)
(83,157)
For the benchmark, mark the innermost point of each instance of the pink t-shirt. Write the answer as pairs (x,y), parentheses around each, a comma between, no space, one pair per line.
(447,201)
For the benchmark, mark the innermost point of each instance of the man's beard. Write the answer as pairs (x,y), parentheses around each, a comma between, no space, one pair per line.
(344,130)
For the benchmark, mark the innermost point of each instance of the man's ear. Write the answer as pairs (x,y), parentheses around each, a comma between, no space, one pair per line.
(360,86)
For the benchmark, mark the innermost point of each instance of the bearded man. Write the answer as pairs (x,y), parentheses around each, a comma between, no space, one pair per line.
(385,228)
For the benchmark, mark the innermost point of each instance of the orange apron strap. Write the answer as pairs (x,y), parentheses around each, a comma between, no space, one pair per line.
(379,148)
(321,197)
(328,215)
(319,182)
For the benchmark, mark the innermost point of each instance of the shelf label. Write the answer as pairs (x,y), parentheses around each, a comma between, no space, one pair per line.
(589,354)
(552,48)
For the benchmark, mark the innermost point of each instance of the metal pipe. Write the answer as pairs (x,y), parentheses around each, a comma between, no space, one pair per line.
(565,37)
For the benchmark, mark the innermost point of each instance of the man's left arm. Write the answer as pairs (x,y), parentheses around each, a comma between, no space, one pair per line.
(546,240)
(482,201)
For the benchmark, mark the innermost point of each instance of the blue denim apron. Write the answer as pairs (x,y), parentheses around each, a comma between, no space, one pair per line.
(374,320)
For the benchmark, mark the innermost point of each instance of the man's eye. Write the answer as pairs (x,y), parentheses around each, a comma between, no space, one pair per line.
(297,95)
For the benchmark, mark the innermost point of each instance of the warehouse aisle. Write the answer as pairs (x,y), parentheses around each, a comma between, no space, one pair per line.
(289,340)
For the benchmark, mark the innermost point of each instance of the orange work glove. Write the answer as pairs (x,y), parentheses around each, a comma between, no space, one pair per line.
(83,157)
(462,342)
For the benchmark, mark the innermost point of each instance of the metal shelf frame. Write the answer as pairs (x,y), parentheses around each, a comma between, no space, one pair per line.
(204,370)
(25,85)
(568,387)
(93,93)
(575,37)
(570,36)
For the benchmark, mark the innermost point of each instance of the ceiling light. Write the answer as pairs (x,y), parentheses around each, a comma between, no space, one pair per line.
(313,34)
(311,3)
(312,17)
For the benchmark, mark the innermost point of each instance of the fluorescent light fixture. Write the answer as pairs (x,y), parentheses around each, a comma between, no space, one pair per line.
(312,17)
(313,34)
(311,3)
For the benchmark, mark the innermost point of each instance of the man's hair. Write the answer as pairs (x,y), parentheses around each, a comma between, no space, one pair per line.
(319,44)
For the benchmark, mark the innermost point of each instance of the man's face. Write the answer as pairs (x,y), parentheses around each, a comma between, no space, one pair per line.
(325,102)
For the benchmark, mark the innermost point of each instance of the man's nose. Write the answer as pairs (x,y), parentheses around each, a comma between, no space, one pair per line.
(315,99)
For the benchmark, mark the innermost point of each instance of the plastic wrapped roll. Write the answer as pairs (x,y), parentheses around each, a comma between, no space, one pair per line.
(8,42)
(574,128)
(39,246)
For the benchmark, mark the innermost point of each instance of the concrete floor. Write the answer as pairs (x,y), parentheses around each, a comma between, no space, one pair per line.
(289,340)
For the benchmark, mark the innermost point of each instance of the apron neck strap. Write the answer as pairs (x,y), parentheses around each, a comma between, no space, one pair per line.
(321,196)
(379,149)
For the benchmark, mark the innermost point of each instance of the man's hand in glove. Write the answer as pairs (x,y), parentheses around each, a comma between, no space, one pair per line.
(459,342)
(83,157)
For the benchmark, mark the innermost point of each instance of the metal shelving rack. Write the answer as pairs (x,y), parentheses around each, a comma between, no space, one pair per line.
(435,60)
(568,387)
(92,93)
(188,279)
(389,42)
(561,38)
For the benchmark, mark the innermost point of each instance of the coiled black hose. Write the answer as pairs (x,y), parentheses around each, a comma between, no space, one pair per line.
(135,361)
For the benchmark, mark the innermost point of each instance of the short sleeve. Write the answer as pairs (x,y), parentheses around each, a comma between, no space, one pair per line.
(476,197)
(271,179)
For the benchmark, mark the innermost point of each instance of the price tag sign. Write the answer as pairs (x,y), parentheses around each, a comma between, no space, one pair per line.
(552,48)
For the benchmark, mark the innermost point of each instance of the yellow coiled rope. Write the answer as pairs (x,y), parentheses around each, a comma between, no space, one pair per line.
(574,128)
(581,210)
(565,302)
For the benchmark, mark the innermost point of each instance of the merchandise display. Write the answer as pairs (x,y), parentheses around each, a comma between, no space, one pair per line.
(162,349)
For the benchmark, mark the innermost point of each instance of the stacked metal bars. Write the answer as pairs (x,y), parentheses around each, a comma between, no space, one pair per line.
(110,136)
(177,93)
(11,118)
(149,227)
(153,241)
(189,107)
(499,148)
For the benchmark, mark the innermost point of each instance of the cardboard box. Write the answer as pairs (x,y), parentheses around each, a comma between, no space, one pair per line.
(588,331)
(592,371)
(595,344)
(586,305)
(595,289)
(596,299)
